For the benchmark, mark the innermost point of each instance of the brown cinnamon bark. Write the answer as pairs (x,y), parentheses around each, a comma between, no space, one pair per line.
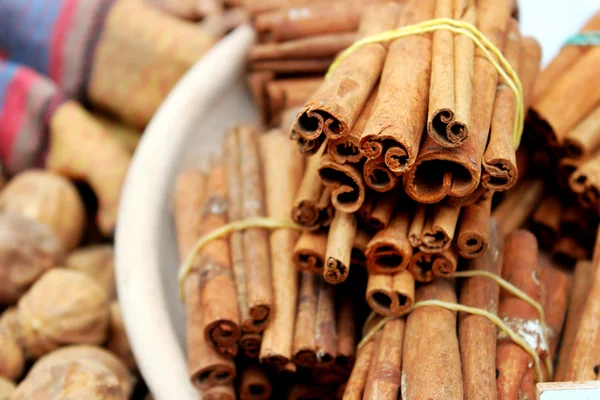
(451,71)
(383,209)
(347,149)
(529,68)
(430,336)
(474,229)
(359,248)
(557,111)
(309,253)
(385,382)
(250,342)
(305,211)
(190,191)
(226,392)
(398,118)
(286,93)
(336,105)
(568,250)
(556,284)
(389,251)
(584,357)
(520,267)
(346,335)
(477,334)
(439,228)
(584,139)
(391,295)
(439,172)
(309,65)
(256,246)
(282,166)
(358,378)
(565,168)
(257,82)
(416,225)
(425,267)
(288,23)
(378,176)
(325,327)
(517,205)
(346,182)
(545,222)
(566,58)
(317,46)
(304,347)
(373,363)
(339,247)
(582,282)
(499,160)
(254,384)
(585,182)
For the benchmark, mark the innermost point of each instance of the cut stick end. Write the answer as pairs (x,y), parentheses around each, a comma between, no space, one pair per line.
(260,317)
(445,130)
(309,125)
(335,271)
(223,333)
(398,160)
(305,358)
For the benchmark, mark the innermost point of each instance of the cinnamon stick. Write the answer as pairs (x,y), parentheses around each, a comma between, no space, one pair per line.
(389,251)
(305,211)
(325,326)
(226,392)
(520,268)
(391,295)
(335,106)
(282,165)
(385,382)
(586,183)
(383,209)
(250,342)
(568,250)
(473,232)
(529,67)
(557,111)
(286,93)
(425,267)
(346,182)
(378,176)
(254,384)
(314,46)
(339,247)
(438,173)
(309,252)
(310,65)
(358,377)
(439,228)
(430,336)
(584,139)
(347,149)
(346,335)
(372,362)
(359,248)
(556,284)
(190,191)
(565,168)
(545,222)
(257,83)
(398,117)
(477,334)
(582,282)
(416,225)
(304,348)
(451,70)
(499,160)
(517,205)
(256,247)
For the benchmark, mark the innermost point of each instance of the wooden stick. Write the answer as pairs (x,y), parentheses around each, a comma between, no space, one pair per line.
(282,165)
(473,232)
(339,247)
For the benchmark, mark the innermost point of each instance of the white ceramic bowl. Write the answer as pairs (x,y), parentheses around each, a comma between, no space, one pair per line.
(189,125)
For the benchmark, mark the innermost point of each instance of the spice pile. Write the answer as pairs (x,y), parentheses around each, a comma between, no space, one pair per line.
(61,330)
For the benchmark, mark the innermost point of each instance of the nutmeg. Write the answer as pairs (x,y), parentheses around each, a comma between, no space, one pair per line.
(27,250)
(49,199)
(98,263)
(73,380)
(11,356)
(7,387)
(63,307)
(92,353)
(117,338)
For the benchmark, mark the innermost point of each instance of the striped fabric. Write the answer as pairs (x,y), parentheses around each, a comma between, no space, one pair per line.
(27,100)
(55,37)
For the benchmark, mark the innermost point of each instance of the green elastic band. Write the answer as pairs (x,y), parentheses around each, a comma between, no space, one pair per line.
(584,39)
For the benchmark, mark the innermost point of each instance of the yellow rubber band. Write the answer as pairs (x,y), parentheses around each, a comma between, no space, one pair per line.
(488,49)
(257,222)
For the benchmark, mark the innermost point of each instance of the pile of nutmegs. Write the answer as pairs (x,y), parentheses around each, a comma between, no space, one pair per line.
(61,331)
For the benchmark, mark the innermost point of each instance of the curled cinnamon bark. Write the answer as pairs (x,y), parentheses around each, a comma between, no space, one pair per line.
(473,232)
(477,334)
(317,46)
(425,267)
(284,94)
(314,65)
(339,247)
(389,251)
(568,250)
(430,336)
(451,70)
(346,182)
(304,348)
(520,267)
(585,182)
(391,295)
(254,384)
(335,106)
(226,392)
(305,211)
(282,165)
(397,121)
(250,342)
(439,229)
(359,248)
(416,225)
(499,160)
(309,253)
(545,222)
(378,176)
(257,83)
(347,149)
(584,139)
